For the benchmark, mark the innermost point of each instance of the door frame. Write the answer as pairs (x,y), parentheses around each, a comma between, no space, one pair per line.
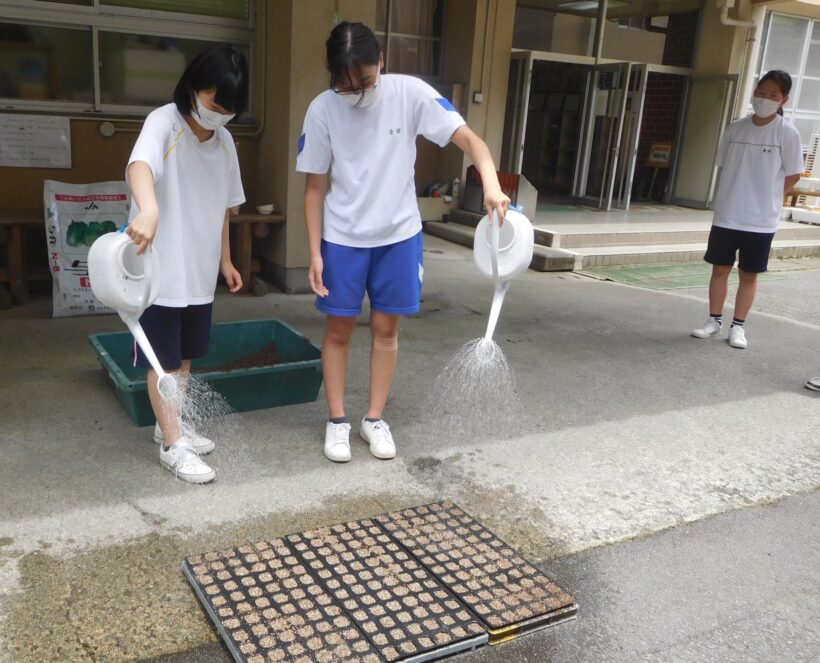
(521,106)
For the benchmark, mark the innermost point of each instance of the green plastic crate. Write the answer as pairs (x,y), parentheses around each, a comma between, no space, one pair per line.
(296,380)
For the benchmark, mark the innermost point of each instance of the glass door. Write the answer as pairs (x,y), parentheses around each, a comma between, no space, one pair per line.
(709,101)
(515,118)
(597,165)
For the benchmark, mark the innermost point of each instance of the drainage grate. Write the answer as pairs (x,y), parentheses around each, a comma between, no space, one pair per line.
(409,586)
(508,594)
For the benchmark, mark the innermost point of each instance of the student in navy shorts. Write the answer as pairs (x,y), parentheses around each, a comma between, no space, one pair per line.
(184,176)
(760,158)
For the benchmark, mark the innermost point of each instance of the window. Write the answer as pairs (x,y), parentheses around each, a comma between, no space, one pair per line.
(410,33)
(113,56)
(792,43)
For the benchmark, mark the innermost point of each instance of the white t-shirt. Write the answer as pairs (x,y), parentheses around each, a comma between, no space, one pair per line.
(371,155)
(195,183)
(755,162)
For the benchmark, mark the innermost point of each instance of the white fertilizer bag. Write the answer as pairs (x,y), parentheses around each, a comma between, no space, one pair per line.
(76,215)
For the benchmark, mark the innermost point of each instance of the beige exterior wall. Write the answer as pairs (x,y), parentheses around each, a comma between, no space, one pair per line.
(572,34)
(805,8)
(296,73)
(95,158)
(634,45)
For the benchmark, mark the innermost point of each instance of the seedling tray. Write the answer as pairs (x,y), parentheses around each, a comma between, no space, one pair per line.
(296,379)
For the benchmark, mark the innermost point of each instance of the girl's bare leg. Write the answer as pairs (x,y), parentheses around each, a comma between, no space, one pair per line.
(334,361)
(384,351)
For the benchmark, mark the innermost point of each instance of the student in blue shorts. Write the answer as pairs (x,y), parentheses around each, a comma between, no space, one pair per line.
(365,231)
(184,176)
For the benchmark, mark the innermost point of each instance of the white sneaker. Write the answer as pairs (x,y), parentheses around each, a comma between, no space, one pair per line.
(377,434)
(737,337)
(813,384)
(185,463)
(710,329)
(337,442)
(202,445)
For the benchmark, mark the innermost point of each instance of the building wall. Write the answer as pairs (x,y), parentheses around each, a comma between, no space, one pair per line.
(460,39)
(572,34)
(297,32)
(632,45)
(95,158)
(272,168)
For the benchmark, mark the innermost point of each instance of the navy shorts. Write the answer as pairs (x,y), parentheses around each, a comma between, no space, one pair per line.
(725,243)
(390,275)
(175,334)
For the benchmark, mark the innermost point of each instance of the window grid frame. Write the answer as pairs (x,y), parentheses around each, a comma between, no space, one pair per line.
(811,35)
(388,34)
(98,18)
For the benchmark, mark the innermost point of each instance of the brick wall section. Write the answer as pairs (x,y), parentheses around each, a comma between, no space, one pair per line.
(680,39)
(662,107)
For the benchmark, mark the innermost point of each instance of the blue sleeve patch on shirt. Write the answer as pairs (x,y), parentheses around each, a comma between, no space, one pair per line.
(445,104)
(301,144)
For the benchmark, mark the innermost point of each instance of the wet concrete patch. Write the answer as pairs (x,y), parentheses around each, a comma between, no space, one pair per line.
(441,305)
(131,601)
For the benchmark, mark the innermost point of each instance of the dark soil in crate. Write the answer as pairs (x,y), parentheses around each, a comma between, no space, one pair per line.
(267,356)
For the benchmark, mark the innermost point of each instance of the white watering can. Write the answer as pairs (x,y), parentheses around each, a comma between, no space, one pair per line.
(501,252)
(128,283)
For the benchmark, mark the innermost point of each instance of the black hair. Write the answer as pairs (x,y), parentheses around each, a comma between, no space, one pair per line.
(350,46)
(781,79)
(220,67)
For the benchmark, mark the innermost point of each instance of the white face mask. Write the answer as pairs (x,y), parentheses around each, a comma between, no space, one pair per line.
(764,107)
(368,98)
(210,119)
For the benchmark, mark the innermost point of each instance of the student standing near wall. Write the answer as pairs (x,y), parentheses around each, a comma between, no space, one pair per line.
(760,159)
(365,233)
(184,175)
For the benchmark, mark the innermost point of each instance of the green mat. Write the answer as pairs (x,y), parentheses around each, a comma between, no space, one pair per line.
(667,277)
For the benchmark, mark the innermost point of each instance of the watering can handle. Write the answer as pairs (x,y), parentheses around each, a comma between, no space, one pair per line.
(494,241)
(147,273)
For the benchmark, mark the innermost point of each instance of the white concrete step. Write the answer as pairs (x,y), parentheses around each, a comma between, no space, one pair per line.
(544,259)
(603,256)
(660,237)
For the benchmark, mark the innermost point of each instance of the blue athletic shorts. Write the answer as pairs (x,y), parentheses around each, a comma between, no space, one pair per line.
(390,275)
(175,334)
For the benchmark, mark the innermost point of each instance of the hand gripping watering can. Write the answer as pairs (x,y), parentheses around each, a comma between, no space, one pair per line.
(128,283)
(502,252)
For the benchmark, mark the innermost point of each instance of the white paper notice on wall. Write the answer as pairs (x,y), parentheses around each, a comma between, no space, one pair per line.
(35,141)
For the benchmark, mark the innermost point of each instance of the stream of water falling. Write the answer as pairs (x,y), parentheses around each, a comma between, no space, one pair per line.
(475,394)
(206,411)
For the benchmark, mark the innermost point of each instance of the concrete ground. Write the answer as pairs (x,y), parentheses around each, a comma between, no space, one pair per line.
(633,436)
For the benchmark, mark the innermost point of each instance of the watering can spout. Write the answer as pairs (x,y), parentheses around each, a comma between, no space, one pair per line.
(502,252)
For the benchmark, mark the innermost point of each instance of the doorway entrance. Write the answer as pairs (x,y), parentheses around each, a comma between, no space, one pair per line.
(583,133)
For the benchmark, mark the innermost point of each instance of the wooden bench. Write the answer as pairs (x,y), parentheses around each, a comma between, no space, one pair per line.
(245,227)
(14,223)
